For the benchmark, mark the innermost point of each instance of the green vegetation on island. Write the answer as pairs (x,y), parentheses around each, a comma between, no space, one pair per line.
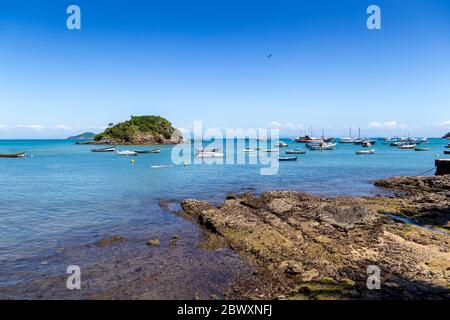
(83,136)
(141,130)
(447,136)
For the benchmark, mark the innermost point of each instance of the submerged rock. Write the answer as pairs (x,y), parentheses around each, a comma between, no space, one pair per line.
(113,239)
(153,242)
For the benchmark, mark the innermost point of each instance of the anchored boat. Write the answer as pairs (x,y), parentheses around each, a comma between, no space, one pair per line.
(108,149)
(287,159)
(12,155)
(148,151)
(127,153)
(295,151)
(365,151)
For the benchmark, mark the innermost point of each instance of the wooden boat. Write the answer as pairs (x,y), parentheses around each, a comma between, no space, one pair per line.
(109,149)
(421,149)
(148,151)
(365,151)
(126,153)
(12,155)
(287,159)
(295,151)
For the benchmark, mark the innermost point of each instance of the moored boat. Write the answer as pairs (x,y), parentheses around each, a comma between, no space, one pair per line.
(295,151)
(407,146)
(148,151)
(287,159)
(108,149)
(421,149)
(446,151)
(372,151)
(271,150)
(12,155)
(209,154)
(281,144)
(127,153)
(321,146)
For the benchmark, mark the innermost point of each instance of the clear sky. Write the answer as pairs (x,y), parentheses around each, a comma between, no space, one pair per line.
(208,60)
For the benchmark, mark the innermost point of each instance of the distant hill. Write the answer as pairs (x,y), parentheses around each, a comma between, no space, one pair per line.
(141,130)
(447,136)
(83,136)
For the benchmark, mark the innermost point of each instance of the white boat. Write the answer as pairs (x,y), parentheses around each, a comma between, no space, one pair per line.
(365,151)
(207,149)
(281,144)
(321,146)
(249,150)
(407,146)
(126,153)
(210,154)
(366,144)
(271,150)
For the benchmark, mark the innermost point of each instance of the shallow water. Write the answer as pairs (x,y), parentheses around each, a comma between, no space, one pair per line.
(65,196)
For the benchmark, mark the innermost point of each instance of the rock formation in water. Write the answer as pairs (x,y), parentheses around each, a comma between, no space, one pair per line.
(314,247)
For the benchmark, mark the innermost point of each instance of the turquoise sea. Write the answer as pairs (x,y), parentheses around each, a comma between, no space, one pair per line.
(64,198)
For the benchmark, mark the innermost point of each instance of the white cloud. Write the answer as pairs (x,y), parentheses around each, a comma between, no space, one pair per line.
(389,125)
(35,127)
(63,127)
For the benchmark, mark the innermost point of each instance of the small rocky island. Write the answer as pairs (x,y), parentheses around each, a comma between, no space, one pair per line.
(447,136)
(311,247)
(140,130)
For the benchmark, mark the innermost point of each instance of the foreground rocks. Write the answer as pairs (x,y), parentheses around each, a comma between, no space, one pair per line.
(312,247)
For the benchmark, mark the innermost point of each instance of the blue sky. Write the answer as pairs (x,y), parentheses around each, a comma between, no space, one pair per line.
(207,60)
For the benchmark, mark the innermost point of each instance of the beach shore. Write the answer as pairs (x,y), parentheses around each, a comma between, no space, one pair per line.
(312,247)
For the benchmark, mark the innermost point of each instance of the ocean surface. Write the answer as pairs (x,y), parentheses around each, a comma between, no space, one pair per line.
(60,200)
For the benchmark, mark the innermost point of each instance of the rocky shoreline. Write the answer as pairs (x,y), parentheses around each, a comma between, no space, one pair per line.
(312,247)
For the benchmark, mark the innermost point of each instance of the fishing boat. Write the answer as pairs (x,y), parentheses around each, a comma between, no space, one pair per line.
(281,144)
(12,155)
(108,149)
(372,151)
(148,151)
(321,146)
(287,159)
(209,154)
(407,146)
(295,151)
(421,149)
(127,153)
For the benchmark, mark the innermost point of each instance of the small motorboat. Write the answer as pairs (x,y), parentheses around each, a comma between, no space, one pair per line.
(407,146)
(127,153)
(421,149)
(271,150)
(446,151)
(295,151)
(281,144)
(148,151)
(12,155)
(448,146)
(249,150)
(365,151)
(108,149)
(210,154)
(366,144)
(287,159)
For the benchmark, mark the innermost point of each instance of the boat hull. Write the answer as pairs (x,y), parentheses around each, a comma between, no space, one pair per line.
(13,155)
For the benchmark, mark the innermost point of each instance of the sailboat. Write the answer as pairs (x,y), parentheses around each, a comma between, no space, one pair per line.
(349,139)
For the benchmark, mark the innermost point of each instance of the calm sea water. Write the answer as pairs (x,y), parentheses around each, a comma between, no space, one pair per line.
(65,195)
